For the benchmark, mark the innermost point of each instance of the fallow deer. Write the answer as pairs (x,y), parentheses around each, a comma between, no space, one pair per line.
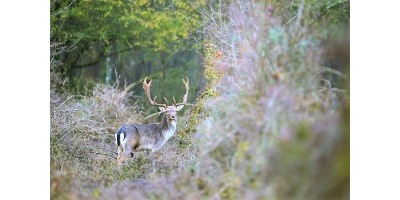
(130,138)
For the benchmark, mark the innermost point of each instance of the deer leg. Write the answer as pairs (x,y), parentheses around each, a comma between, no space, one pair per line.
(119,149)
(119,157)
(124,155)
(119,161)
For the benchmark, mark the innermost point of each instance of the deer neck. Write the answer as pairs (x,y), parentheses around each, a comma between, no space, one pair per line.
(168,127)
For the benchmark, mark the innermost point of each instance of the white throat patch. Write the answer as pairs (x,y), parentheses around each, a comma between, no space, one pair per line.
(170,131)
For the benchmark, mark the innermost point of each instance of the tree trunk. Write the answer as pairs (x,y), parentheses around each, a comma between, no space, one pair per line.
(110,67)
(163,74)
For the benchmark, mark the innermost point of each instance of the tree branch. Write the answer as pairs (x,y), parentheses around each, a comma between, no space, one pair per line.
(63,9)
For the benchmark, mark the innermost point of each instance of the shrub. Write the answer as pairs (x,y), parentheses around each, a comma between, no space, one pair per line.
(276,127)
(83,127)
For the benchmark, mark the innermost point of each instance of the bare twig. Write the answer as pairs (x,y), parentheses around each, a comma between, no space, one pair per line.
(63,9)
(92,150)
(157,113)
(336,3)
(66,100)
(105,154)
(107,150)
(299,13)
(283,27)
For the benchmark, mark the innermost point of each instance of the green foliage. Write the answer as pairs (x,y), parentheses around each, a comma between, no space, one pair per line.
(113,33)
(328,17)
(141,24)
(198,112)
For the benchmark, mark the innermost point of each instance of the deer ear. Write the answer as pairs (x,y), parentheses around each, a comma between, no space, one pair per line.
(162,109)
(178,108)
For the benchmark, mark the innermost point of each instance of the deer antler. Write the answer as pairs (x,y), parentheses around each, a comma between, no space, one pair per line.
(146,88)
(186,95)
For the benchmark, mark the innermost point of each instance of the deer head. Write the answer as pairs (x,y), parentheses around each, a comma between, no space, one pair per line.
(170,111)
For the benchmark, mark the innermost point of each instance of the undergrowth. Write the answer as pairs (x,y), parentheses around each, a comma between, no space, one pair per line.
(82,147)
